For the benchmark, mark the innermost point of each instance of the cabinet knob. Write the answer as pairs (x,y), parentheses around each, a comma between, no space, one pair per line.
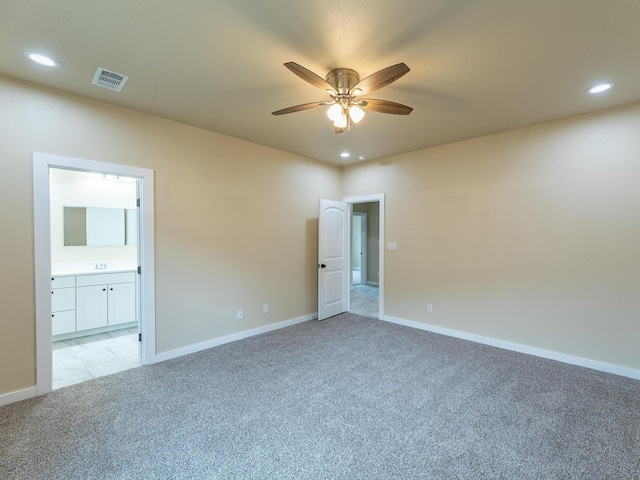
(111,289)
(52,315)
(104,289)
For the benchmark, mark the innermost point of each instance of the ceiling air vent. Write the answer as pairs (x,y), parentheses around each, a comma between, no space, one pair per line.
(108,79)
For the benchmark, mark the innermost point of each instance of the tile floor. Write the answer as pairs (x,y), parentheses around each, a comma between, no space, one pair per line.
(364,300)
(79,359)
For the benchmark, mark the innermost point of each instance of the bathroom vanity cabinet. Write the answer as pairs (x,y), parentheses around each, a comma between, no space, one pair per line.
(87,302)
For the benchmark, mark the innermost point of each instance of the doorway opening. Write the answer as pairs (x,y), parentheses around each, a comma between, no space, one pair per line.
(359,247)
(94,285)
(366,293)
(94,269)
(335,272)
(365,260)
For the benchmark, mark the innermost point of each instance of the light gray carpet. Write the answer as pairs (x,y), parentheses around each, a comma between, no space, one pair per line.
(347,398)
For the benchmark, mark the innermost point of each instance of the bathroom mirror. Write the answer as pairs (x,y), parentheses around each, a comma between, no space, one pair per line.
(99,226)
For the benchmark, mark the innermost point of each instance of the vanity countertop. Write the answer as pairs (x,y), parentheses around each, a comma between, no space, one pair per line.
(85,268)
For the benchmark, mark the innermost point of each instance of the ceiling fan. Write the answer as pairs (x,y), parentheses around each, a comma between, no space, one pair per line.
(345,89)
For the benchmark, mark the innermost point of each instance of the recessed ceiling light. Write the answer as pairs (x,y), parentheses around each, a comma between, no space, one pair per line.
(345,155)
(41,59)
(601,87)
(362,157)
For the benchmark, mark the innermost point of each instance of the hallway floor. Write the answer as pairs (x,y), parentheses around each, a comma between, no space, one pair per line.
(364,300)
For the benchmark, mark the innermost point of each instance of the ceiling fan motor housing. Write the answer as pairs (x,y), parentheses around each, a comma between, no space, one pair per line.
(343,80)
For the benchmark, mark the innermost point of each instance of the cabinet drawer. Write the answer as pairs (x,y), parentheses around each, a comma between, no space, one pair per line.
(105,278)
(63,322)
(63,299)
(63,282)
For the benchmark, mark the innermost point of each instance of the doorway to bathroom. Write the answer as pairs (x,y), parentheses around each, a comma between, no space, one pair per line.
(93,232)
(94,285)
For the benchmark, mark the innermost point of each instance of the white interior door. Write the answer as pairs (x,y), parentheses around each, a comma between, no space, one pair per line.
(333,258)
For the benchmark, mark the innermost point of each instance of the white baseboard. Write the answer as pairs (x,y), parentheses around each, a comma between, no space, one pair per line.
(516,347)
(198,347)
(17,396)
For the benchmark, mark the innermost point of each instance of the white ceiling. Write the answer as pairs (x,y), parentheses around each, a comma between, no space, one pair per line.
(477,66)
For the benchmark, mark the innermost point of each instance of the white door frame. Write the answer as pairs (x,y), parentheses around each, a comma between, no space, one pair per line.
(42,256)
(367,199)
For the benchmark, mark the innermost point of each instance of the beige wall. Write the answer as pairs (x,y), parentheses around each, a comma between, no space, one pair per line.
(236,223)
(530,236)
(356,242)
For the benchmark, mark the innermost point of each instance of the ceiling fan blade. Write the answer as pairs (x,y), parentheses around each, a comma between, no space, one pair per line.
(381,78)
(309,76)
(299,108)
(384,106)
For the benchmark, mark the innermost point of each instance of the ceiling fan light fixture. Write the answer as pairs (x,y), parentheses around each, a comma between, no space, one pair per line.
(356,113)
(334,112)
(341,121)
(344,87)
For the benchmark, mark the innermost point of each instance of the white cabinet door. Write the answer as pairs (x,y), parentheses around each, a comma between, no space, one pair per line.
(91,307)
(122,303)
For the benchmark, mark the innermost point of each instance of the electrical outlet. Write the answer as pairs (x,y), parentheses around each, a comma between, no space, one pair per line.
(240,314)
(265,308)
(429,307)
